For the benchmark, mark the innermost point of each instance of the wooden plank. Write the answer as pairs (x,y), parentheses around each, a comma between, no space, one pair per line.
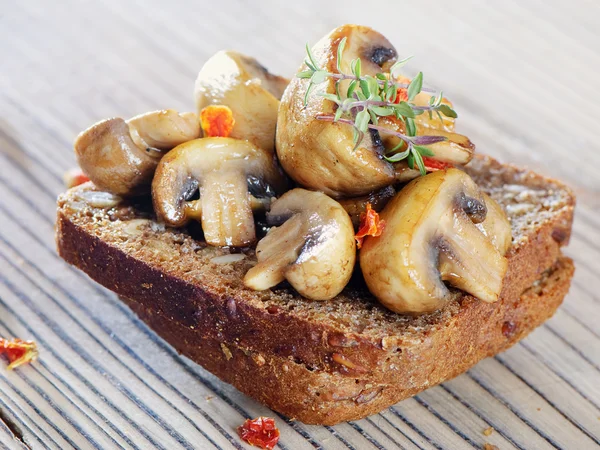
(521,75)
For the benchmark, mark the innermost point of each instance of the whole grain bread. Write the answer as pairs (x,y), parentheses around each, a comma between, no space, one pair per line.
(328,397)
(361,357)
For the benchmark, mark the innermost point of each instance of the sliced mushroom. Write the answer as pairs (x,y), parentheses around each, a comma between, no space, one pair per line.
(457,149)
(121,156)
(496,225)
(249,89)
(222,168)
(321,155)
(313,249)
(357,205)
(431,237)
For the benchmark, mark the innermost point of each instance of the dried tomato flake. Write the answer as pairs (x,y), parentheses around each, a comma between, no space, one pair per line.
(260,432)
(370,225)
(401,95)
(74,177)
(217,121)
(433,164)
(18,351)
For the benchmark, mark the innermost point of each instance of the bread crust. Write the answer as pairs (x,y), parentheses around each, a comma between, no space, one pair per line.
(231,319)
(354,373)
(327,398)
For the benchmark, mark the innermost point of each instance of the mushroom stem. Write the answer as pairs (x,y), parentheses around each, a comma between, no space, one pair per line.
(193,209)
(222,168)
(314,248)
(227,223)
(470,257)
(276,251)
(432,235)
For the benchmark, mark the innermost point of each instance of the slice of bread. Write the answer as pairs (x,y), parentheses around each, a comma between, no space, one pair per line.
(320,362)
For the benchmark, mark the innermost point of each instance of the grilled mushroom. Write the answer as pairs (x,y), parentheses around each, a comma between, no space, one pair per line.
(120,156)
(313,249)
(223,169)
(321,155)
(430,238)
(249,89)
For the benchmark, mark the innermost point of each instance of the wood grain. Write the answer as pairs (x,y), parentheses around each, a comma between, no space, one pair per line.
(522,75)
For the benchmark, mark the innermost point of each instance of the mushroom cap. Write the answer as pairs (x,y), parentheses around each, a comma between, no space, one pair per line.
(430,237)
(222,168)
(248,89)
(109,157)
(320,155)
(121,156)
(164,129)
(314,248)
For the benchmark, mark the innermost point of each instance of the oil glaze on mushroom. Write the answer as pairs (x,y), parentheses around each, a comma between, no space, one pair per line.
(121,156)
(248,89)
(320,155)
(222,169)
(430,238)
(312,246)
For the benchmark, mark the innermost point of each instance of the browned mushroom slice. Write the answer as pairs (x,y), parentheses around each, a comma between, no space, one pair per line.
(313,249)
(430,237)
(248,89)
(457,149)
(222,169)
(121,156)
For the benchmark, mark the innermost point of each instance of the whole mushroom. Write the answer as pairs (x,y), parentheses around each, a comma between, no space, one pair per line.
(431,237)
(225,170)
(121,156)
(321,155)
(248,89)
(313,246)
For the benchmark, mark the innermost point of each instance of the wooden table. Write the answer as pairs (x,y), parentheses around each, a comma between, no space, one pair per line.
(523,76)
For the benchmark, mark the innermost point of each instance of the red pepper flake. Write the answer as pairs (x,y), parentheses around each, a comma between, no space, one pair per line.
(370,225)
(401,95)
(18,351)
(260,432)
(433,165)
(217,121)
(74,177)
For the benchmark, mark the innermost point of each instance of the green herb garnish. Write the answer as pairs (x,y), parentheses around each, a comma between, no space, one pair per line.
(369,97)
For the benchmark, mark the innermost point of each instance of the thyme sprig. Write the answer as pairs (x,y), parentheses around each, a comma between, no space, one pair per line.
(367,98)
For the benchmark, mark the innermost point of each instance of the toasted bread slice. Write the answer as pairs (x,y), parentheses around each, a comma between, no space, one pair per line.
(331,361)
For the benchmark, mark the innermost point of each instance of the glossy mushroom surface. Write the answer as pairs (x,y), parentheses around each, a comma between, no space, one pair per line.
(431,238)
(121,156)
(248,89)
(320,155)
(312,246)
(224,170)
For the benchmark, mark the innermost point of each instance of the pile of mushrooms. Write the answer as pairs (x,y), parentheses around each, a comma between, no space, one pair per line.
(439,228)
